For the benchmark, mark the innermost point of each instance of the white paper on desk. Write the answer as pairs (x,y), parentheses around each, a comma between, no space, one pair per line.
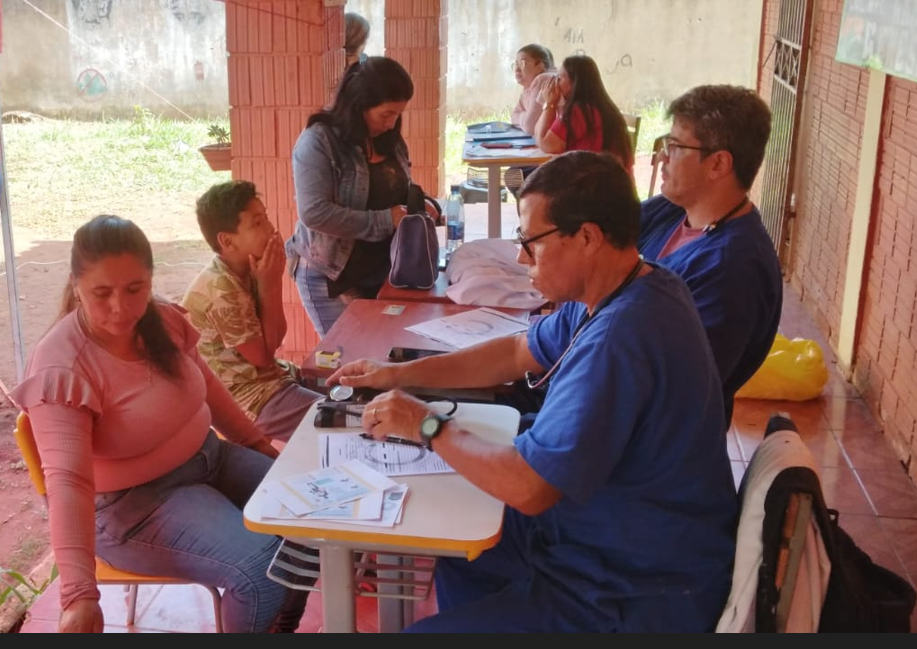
(328,486)
(470,327)
(388,459)
(392,508)
(369,507)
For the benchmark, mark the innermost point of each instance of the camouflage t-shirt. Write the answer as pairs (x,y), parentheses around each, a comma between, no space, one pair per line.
(225,312)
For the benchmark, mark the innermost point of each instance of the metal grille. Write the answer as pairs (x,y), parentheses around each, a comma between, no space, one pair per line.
(790,53)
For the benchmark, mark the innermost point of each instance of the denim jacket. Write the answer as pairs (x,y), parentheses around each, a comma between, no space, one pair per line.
(331,179)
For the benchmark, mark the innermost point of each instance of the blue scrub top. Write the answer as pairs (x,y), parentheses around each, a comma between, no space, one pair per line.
(734,277)
(631,433)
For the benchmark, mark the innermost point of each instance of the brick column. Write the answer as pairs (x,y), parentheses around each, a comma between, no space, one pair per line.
(285,58)
(415,35)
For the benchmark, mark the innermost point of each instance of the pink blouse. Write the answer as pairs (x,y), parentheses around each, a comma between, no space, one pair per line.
(527,110)
(104,424)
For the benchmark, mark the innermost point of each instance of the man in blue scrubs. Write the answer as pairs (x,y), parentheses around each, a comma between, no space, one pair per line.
(704,227)
(621,506)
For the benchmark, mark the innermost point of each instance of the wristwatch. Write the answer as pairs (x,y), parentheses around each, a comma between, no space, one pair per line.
(431,427)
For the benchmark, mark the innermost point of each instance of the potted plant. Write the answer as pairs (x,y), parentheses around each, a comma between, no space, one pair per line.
(218,154)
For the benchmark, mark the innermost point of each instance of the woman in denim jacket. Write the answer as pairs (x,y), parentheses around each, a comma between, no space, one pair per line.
(351,174)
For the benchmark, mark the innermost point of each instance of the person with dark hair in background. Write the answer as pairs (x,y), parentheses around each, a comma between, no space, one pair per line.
(123,409)
(588,118)
(621,505)
(356,33)
(351,173)
(236,305)
(704,227)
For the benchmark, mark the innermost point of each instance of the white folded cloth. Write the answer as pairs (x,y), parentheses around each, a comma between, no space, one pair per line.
(484,272)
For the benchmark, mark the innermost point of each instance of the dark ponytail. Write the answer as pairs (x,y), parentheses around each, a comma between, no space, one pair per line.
(109,236)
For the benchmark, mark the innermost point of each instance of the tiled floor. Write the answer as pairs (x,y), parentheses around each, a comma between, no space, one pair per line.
(187,609)
(861,477)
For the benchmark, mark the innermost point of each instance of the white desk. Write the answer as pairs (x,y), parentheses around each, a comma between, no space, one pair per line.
(444,515)
(495,159)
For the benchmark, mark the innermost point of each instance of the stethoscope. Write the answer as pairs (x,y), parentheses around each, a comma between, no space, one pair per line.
(340,393)
(711,227)
(631,276)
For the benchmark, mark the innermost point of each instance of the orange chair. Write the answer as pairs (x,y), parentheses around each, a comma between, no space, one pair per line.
(105,573)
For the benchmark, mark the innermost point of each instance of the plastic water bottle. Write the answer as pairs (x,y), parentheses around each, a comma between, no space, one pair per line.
(455,220)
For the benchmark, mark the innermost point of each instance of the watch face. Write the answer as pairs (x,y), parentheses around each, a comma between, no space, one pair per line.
(430,426)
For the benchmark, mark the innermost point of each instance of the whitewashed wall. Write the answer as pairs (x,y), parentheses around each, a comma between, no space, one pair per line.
(646,49)
(92,58)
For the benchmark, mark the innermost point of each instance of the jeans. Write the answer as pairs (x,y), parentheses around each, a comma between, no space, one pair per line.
(188,524)
(281,415)
(322,310)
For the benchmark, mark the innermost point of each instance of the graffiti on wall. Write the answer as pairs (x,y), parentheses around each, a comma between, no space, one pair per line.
(92,12)
(189,12)
(91,84)
(625,61)
(574,35)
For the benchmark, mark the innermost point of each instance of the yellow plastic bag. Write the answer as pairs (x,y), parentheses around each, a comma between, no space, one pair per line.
(794,370)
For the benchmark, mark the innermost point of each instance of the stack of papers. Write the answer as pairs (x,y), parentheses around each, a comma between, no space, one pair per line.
(495,131)
(350,492)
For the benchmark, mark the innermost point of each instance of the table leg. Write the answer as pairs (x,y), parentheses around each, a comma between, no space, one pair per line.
(338,604)
(395,613)
(494,210)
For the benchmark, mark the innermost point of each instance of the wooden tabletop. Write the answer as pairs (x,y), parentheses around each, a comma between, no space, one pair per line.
(370,328)
(474,153)
(435,294)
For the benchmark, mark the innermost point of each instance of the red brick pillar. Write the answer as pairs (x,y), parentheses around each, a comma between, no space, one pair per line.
(415,36)
(285,58)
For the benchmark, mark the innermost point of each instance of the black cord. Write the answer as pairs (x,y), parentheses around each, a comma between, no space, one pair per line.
(345,406)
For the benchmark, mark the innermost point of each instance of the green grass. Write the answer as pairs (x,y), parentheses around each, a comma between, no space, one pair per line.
(16,585)
(62,172)
(653,124)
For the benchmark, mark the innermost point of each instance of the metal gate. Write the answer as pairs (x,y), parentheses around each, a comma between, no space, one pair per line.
(791,45)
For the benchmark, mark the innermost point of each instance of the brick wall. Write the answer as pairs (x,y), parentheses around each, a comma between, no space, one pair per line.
(886,356)
(836,97)
(284,60)
(416,33)
(830,135)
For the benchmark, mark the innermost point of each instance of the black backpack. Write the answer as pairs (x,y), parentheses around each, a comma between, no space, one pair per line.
(862,596)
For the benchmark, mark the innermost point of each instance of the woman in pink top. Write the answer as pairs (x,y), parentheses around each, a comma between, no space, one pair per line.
(534,70)
(588,119)
(122,407)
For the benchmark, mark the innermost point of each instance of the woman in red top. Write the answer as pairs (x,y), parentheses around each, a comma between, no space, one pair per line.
(588,120)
